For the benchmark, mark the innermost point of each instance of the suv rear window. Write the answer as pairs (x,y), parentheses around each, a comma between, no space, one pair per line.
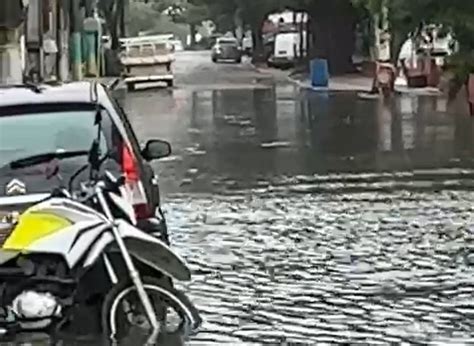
(27,132)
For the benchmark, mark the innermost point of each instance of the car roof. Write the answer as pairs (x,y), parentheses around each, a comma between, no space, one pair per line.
(67,93)
(27,94)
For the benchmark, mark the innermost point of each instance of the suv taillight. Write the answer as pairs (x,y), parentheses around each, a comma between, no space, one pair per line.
(133,185)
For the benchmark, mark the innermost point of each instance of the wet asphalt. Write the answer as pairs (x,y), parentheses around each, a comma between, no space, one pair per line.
(312,217)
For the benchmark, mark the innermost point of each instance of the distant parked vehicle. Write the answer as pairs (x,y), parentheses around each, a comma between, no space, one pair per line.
(147,59)
(286,49)
(227,48)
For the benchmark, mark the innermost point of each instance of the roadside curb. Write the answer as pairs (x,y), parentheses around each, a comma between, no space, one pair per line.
(398,90)
(306,85)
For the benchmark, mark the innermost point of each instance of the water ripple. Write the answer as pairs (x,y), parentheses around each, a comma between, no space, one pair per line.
(380,268)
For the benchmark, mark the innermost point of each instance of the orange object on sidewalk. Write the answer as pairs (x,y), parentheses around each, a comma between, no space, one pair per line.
(386,74)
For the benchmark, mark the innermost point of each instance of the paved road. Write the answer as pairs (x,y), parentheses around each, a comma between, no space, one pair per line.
(311,217)
(196,71)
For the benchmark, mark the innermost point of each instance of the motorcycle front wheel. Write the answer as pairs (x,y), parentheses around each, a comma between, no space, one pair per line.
(123,313)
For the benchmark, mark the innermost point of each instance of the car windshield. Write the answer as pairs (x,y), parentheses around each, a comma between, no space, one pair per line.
(33,133)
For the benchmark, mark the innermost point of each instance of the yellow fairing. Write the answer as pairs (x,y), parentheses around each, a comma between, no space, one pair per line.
(33,226)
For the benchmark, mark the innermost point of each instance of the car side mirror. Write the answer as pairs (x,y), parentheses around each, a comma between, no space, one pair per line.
(156,149)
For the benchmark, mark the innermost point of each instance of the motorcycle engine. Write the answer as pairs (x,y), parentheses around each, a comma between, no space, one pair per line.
(35,310)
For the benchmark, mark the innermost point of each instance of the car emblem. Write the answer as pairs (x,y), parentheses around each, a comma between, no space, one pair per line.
(15,187)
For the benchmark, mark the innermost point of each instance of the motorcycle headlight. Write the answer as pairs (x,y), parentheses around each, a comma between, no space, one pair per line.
(30,304)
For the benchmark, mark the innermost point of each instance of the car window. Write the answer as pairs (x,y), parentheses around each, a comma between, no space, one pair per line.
(32,133)
(128,127)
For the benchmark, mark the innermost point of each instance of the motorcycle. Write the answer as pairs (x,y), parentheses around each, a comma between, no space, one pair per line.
(82,248)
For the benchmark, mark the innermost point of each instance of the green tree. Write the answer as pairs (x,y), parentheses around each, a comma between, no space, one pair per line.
(113,11)
(332,29)
(220,12)
(143,17)
(254,14)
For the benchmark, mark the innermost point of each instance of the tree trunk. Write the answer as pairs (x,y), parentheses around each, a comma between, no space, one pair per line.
(110,11)
(398,39)
(192,33)
(89,8)
(258,48)
(333,30)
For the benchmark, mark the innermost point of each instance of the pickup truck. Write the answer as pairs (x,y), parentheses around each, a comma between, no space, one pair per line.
(147,59)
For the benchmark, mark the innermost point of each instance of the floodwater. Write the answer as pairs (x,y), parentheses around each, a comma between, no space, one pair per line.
(318,217)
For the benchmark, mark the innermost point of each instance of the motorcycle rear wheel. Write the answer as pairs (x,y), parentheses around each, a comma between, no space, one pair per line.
(118,323)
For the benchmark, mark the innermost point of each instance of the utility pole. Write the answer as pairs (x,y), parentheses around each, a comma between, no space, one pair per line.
(125,18)
(76,38)
(91,31)
(62,37)
(34,41)
(12,14)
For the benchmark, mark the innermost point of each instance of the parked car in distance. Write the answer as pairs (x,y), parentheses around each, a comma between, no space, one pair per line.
(38,119)
(227,48)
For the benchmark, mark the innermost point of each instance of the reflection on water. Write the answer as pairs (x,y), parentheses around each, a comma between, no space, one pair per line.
(321,217)
(406,132)
(248,135)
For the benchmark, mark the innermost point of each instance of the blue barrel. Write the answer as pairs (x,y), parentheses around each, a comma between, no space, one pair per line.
(319,73)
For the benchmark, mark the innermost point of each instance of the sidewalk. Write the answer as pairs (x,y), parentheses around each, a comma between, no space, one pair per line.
(354,82)
(349,82)
(360,83)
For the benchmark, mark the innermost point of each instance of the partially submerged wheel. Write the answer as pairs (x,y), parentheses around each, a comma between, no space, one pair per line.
(131,86)
(123,313)
(170,83)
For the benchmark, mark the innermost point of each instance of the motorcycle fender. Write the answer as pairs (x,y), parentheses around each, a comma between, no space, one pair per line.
(154,253)
(145,248)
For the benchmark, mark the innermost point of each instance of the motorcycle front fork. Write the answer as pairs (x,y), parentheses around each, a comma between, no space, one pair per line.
(132,270)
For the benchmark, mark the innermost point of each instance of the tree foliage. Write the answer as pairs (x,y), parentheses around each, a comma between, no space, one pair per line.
(332,20)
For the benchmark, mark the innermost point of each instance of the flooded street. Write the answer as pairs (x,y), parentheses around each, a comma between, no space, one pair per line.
(315,217)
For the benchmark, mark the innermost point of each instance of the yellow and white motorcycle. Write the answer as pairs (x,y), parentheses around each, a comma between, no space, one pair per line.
(83,249)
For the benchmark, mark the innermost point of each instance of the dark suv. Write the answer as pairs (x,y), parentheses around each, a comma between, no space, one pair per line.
(43,118)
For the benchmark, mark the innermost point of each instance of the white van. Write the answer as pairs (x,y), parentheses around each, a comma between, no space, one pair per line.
(287,49)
